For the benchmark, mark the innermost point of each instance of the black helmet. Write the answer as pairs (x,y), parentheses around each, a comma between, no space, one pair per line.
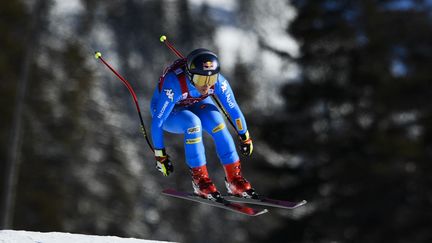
(202,62)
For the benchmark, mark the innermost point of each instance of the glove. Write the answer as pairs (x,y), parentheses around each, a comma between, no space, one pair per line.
(163,163)
(246,146)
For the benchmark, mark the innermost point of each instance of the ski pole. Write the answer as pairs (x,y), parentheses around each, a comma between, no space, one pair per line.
(98,55)
(164,40)
(223,111)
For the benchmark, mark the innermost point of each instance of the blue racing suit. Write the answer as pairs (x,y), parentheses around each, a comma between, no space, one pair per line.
(179,108)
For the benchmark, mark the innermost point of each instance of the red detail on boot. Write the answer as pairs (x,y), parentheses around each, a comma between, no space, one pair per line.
(202,184)
(235,182)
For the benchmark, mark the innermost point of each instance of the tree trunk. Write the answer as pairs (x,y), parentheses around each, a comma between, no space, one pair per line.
(13,159)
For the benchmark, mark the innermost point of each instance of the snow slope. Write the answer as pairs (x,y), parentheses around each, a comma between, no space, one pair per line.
(12,236)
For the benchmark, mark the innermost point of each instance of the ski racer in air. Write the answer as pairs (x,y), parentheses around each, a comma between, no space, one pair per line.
(182,104)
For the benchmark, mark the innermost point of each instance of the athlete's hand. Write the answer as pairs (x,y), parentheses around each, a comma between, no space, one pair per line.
(246,145)
(163,163)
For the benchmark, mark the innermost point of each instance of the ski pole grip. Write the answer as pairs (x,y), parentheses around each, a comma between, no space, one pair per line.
(98,55)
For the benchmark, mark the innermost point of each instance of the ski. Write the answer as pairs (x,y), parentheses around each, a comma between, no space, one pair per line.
(224,204)
(266,202)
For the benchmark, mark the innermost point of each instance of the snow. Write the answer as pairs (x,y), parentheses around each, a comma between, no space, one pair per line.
(227,5)
(231,42)
(12,236)
(67,7)
(239,41)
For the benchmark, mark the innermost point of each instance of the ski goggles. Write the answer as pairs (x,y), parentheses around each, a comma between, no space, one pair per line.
(201,80)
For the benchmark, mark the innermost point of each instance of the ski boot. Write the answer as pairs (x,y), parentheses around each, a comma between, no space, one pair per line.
(203,185)
(236,184)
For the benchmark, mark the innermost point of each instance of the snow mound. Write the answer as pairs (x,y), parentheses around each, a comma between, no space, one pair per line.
(12,236)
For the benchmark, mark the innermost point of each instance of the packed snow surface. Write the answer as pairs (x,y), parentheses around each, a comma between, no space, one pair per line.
(12,236)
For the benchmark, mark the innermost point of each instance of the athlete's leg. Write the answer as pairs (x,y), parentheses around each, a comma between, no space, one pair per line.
(186,122)
(213,123)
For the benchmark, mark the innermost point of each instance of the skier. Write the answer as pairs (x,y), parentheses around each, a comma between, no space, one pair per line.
(181,104)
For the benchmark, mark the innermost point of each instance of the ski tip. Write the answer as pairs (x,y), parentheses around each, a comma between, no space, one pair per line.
(261,212)
(163,38)
(299,204)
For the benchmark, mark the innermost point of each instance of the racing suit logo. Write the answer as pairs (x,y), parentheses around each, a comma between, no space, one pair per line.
(169,93)
(209,66)
(162,111)
(224,86)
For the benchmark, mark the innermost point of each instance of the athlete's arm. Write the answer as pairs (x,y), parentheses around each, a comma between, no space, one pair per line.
(169,95)
(225,94)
